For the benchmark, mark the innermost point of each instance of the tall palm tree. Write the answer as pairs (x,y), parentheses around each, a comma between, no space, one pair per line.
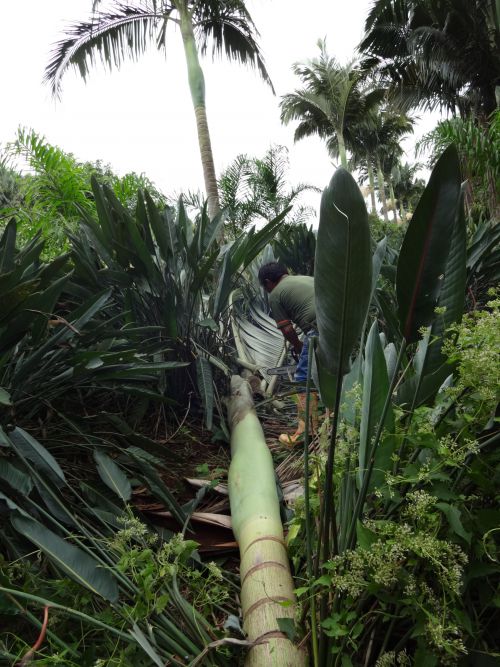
(390,128)
(331,104)
(436,53)
(376,147)
(407,186)
(111,37)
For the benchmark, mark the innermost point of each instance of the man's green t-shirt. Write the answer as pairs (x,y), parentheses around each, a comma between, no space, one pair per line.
(293,299)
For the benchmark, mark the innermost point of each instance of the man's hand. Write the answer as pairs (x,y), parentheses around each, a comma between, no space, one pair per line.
(290,334)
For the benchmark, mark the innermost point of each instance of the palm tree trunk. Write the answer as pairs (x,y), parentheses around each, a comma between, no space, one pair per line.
(403,210)
(381,189)
(197,88)
(391,190)
(371,180)
(342,151)
(267,590)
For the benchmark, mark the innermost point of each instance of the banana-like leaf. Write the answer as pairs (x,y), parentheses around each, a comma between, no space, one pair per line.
(343,271)
(77,564)
(452,295)
(5,397)
(15,478)
(206,388)
(112,475)
(153,480)
(375,388)
(8,247)
(23,443)
(426,245)
(430,364)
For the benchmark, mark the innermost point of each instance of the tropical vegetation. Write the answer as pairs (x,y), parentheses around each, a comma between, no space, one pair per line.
(128,30)
(148,513)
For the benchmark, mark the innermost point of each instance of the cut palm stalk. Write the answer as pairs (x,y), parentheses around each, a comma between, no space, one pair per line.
(267,591)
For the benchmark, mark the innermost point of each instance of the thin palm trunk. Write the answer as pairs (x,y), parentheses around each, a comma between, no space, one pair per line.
(371,180)
(197,88)
(403,210)
(381,189)
(393,198)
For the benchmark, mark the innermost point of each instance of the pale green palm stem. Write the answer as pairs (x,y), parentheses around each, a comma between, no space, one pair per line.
(393,198)
(267,590)
(371,180)
(197,89)
(381,188)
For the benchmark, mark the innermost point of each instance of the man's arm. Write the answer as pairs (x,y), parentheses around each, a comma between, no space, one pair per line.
(290,334)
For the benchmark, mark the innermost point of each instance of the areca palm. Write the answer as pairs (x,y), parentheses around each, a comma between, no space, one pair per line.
(331,104)
(376,148)
(442,53)
(253,188)
(407,186)
(129,30)
(391,126)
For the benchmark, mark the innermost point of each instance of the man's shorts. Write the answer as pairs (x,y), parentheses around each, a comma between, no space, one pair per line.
(301,372)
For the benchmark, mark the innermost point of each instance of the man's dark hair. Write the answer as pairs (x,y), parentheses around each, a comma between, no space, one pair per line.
(272,271)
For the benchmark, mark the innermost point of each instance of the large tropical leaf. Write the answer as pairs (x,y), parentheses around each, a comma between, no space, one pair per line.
(424,253)
(26,446)
(375,388)
(343,273)
(206,388)
(112,475)
(77,564)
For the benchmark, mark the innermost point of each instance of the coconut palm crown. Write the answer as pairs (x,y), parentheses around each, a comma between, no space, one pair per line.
(223,26)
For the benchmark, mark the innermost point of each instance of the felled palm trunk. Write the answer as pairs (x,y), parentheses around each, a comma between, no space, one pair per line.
(267,592)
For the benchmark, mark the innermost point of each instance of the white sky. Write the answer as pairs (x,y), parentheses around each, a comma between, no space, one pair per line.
(140,118)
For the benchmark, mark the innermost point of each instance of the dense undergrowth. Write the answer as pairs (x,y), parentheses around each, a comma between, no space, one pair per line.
(112,348)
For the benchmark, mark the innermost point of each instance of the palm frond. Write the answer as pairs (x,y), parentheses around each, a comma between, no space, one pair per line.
(110,38)
(229,29)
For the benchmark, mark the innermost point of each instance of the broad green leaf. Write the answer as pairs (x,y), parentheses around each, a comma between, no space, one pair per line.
(287,626)
(112,475)
(8,247)
(77,564)
(452,295)
(4,397)
(365,536)
(155,483)
(453,514)
(424,253)
(23,442)
(11,505)
(343,271)
(375,388)
(15,478)
(206,388)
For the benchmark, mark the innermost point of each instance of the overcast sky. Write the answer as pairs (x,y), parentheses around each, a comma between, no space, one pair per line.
(140,118)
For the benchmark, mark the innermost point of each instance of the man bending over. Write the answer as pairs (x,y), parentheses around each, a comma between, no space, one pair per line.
(291,299)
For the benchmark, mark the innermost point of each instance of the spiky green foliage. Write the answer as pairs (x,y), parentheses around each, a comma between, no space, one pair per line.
(332,103)
(479,149)
(436,53)
(256,189)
